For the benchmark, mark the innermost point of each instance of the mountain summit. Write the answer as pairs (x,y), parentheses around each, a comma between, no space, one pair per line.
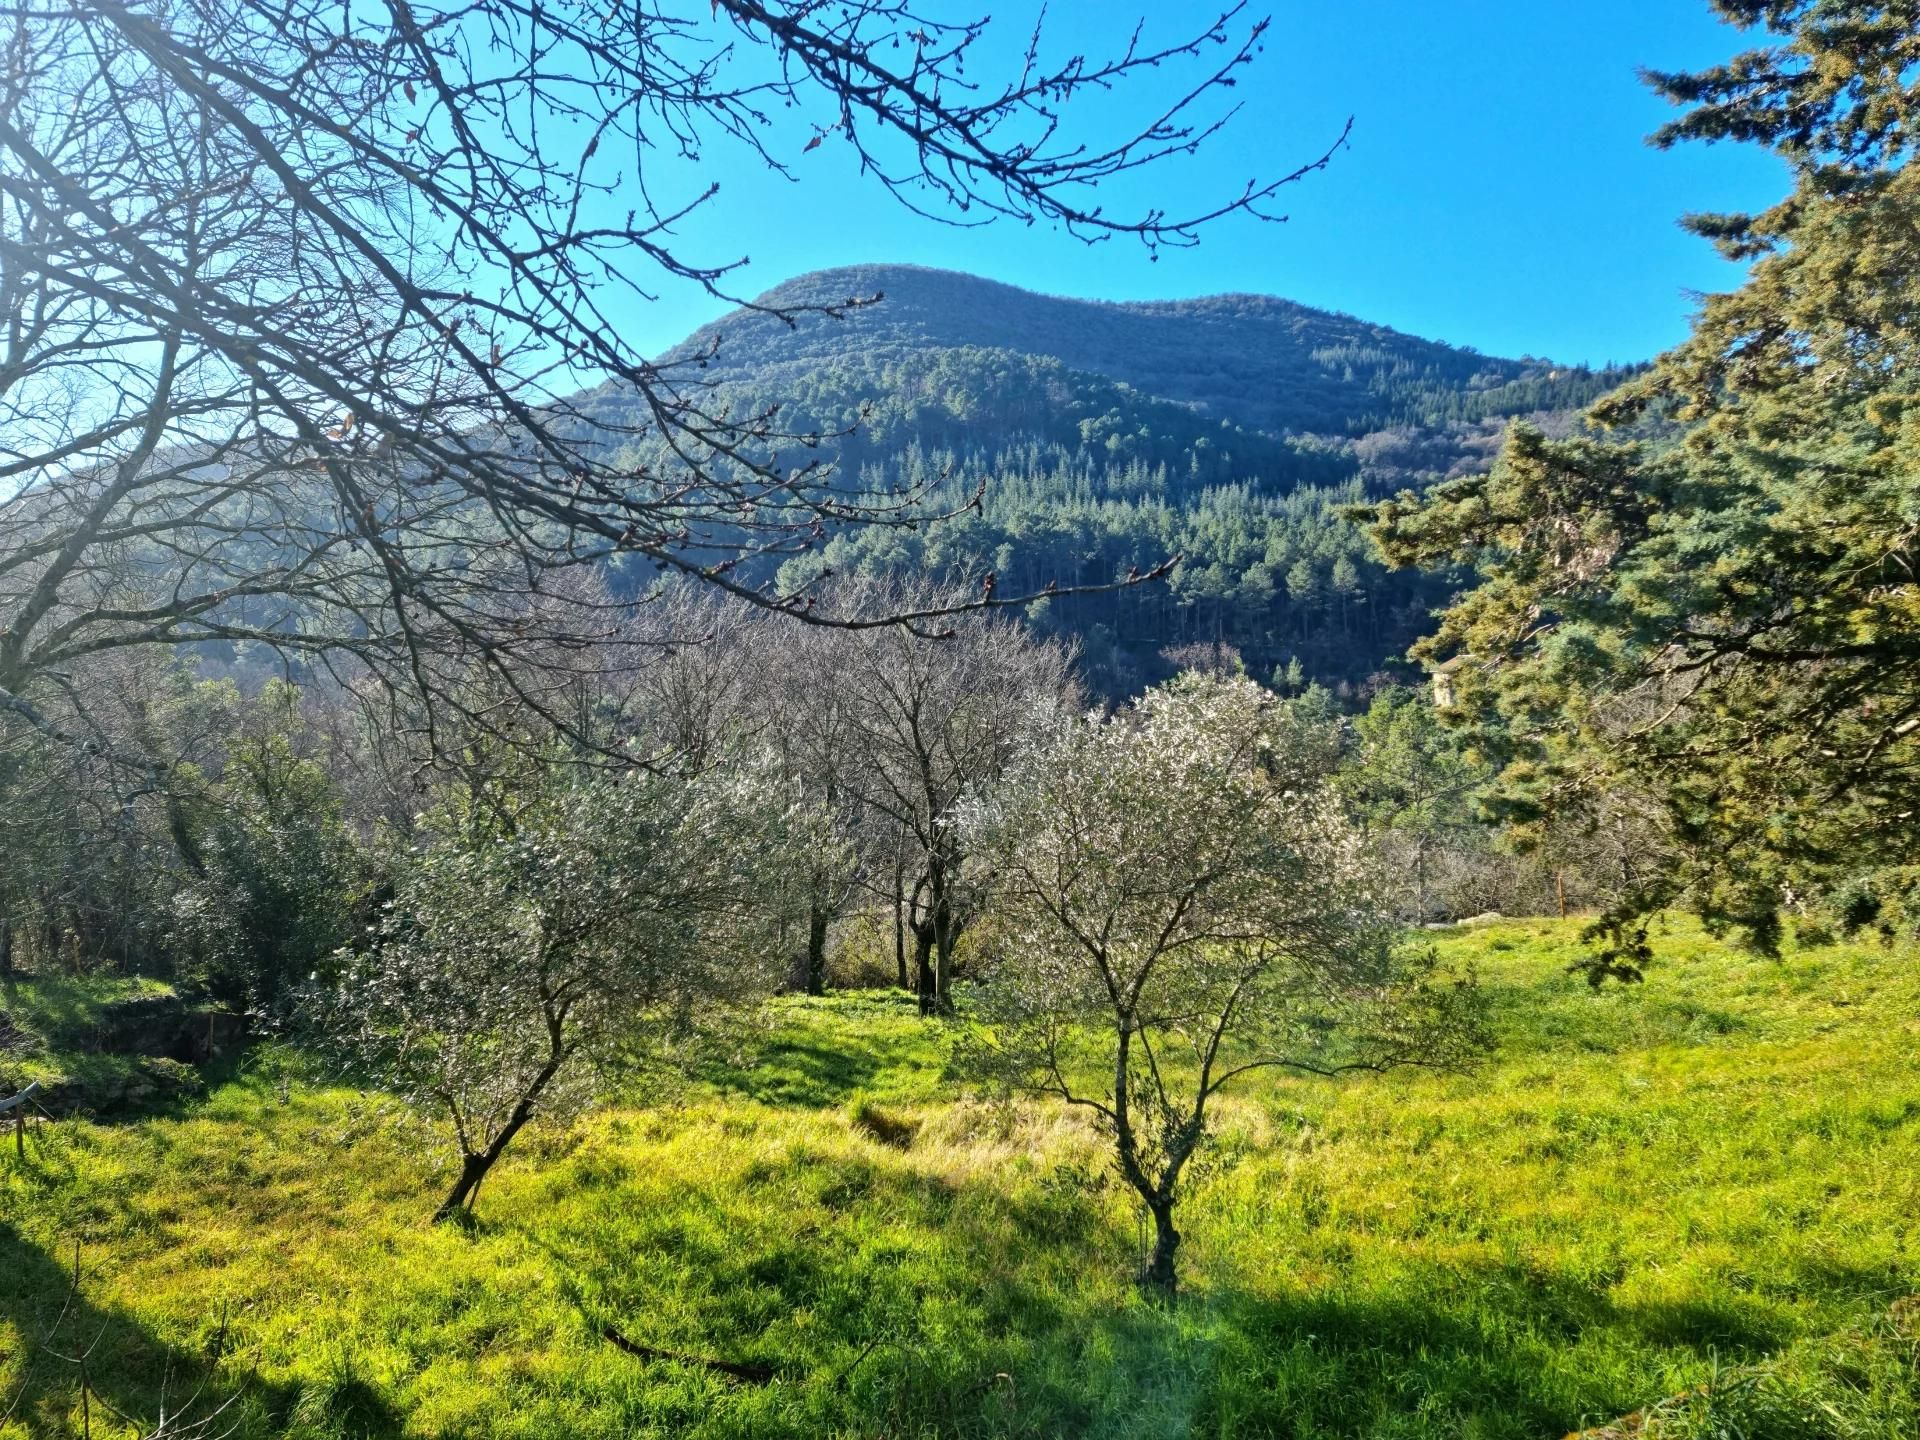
(1084,441)
(1256,360)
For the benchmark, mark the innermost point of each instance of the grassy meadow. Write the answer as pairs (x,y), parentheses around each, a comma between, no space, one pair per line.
(1697,1194)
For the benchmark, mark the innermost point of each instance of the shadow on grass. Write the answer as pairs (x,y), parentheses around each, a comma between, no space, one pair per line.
(808,1073)
(805,1073)
(1483,1350)
(909,1303)
(894,1303)
(820,1052)
(79,1364)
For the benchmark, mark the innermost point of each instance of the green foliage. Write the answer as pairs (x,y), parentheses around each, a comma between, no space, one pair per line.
(1721,632)
(607,919)
(1254,568)
(1179,903)
(1884,901)
(1259,363)
(84,874)
(1414,782)
(51,1029)
(62,1013)
(1108,439)
(276,874)
(815,1053)
(1856,1383)
(230,866)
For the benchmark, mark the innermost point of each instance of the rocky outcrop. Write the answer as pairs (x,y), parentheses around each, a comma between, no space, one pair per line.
(120,1057)
(164,1026)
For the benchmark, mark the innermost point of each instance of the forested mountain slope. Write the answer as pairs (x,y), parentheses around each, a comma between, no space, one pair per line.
(1109,437)
(1258,361)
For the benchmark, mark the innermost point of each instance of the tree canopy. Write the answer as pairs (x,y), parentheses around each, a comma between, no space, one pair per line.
(1181,900)
(519,961)
(1718,615)
(304,307)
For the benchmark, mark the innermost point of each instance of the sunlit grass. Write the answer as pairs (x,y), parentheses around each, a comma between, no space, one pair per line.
(49,1038)
(61,1013)
(1646,1189)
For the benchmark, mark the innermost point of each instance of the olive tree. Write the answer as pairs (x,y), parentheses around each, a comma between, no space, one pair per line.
(1179,902)
(606,919)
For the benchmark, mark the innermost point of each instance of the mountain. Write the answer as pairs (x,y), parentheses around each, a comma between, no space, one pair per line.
(1257,361)
(1107,437)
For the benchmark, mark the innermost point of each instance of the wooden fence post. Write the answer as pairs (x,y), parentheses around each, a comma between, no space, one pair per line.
(17,1107)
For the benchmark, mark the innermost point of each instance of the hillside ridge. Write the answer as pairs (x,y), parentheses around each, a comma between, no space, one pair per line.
(1261,361)
(1095,439)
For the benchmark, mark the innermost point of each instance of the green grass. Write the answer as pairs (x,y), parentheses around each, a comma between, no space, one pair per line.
(59,1012)
(1697,1195)
(52,1026)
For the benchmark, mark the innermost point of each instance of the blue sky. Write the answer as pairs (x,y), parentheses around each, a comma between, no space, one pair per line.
(1497,191)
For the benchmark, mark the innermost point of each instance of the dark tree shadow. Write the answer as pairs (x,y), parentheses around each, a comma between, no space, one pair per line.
(76,1356)
(802,1073)
(1461,1348)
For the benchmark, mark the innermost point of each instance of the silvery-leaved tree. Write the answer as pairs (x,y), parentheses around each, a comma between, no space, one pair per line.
(529,958)
(318,322)
(1178,902)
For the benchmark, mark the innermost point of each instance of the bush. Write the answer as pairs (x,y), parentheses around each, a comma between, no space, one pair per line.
(277,872)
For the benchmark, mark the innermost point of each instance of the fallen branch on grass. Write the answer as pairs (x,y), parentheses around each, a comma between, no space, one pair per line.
(751,1374)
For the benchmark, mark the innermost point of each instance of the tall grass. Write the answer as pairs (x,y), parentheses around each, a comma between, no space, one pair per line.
(1695,1195)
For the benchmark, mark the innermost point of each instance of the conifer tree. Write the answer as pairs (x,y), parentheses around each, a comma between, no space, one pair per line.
(1715,605)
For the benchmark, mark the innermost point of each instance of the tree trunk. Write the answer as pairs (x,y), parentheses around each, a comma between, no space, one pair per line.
(1160,1276)
(944,935)
(900,949)
(900,916)
(72,943)
(474,1167)
(6,950)
(815,975)
(935,988)
(923,968)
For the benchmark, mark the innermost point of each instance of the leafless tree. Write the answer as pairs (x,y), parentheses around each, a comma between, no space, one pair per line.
(811,726)
(884,730)
(934,722)
(702,682)
(300,306)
